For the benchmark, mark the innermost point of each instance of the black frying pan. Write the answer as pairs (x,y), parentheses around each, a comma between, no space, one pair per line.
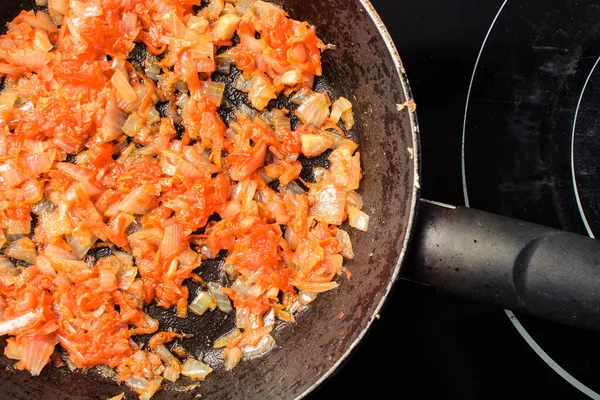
(462,251)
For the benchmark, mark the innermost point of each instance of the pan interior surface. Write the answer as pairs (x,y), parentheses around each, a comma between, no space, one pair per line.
(364,68)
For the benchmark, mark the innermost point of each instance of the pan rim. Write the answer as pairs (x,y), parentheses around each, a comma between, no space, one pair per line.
(414,201)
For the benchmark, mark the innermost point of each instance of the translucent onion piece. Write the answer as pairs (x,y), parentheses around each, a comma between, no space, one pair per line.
(81,241)
(261,91)
(195,369)
(227,338)
(221,299)
(243,6)
(124,89)
(172,240)
(58,5)
(314,145)
(266,344)
(36,352)
(165,354)
(358,219)
(172,372)
(23,249)
(344,238)
(214,92)
(202,303)
(134,123)
(232,356)
(137,383)
(151,389)
(117,397)
(126,277)
(86,10)
(330,201)
(339,106)
(225,27)
(41,40)
(12,325)
(315,110)
(315,287)
(8,271)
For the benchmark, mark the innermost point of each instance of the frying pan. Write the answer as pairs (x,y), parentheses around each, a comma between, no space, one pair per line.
(461,251)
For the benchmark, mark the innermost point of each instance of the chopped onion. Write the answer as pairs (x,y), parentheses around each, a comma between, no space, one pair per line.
(358,219)
(151,389)
(174,25)
(30,58)
(139,201)
(266,344)
(339,107)
(8,97)
(197,24)
(137,383)
(225,27)
(86,10)
(344,238)
(315,287)
(202,303)
(41,3)
(11,176)
(227,338)
(172,371)
(214,92)
(108,280)
(172,242)
(81,241)
(301,96)
(315,110)
(8,272)
(23,249)
(133,125)
(126,276)
(112,121)
(165,354)
(55,252)
(240,286)
(348,119)
(40,163)
(202,51)
(36,352)
(221,299)
(242,84)
(330,201)
(305,298)
(124,89)
(117,397)
(242,317)
(261,91)
(232,356)
(12,325)
(58,5)
(314,145)
(195,369)
(291,78)
(269,318)
(41,40)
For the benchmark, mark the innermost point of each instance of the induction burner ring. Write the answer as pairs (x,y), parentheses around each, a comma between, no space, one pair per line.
(511,316)
(575,188)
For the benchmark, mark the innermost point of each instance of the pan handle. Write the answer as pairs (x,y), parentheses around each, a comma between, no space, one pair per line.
(517,265)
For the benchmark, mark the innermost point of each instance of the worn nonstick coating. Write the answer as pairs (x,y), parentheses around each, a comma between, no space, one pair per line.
(366,69)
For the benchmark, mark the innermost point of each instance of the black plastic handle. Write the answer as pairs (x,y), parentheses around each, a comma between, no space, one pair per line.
(521,266)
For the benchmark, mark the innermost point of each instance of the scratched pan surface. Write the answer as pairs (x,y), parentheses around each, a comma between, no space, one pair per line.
(365,68)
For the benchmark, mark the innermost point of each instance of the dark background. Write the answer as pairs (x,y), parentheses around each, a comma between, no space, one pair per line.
(427,345)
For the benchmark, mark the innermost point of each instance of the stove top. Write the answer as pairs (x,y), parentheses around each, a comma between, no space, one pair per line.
(508,99)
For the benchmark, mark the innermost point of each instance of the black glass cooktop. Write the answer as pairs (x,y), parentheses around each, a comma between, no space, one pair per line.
(508,99)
